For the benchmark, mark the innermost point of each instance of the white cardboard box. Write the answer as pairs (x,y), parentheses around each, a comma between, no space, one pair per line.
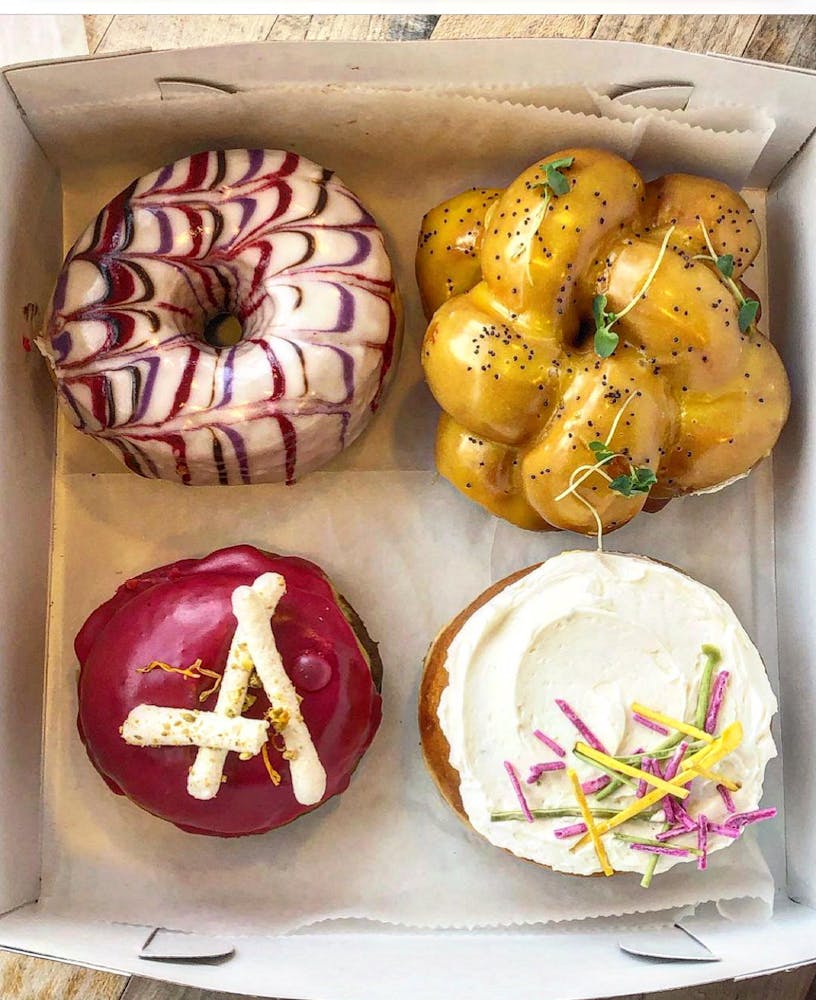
(41,108)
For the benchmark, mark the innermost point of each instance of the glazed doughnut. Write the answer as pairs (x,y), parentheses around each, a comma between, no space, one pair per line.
(165,643)
(591,343)
(266,237)
(583,663)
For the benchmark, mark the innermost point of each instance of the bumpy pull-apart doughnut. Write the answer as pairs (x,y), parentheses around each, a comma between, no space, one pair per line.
(591,343)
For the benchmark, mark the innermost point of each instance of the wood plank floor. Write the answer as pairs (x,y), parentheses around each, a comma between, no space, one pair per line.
(773,37)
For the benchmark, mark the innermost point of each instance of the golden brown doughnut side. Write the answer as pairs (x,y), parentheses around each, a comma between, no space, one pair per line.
(509,353)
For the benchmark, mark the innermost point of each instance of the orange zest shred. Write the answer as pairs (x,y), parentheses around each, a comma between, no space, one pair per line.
(274,776)
(590,823)
(194,672)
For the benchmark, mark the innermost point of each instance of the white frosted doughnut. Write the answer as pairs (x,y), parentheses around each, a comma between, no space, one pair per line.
(268,237)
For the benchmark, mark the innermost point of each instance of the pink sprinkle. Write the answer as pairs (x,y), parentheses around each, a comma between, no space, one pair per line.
(550,742)
(673,764)
(582,728)
(669,810)
(511,772)
(671,833)
(682,815)
(725,795)
(724,831)
(740,820)
(717,695)
(670,852)
(564,832)
(595,784)
(657,770)
(638,750)
(536,770)
(702,842)
(649,724)
(645,765)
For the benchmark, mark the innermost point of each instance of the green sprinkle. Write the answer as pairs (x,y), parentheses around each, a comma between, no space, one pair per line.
(712,658)
(651,864)
(560,813)
(651,843)
(625,779)
(747,314)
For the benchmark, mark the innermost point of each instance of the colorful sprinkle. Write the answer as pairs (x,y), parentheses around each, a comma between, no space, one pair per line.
(650,724)
(725,795)
(536,770)
(511,772)
(595,784)
(702,841)
(670,852)
(717,695)
(580,725)
(740,820)
(550,742)
(574,830)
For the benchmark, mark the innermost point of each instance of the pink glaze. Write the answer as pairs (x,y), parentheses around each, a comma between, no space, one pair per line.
(182,612)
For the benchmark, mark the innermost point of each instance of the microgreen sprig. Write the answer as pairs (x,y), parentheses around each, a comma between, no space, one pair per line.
(639,479)
(606,339)
(748,308)
(553,178)
(553,185)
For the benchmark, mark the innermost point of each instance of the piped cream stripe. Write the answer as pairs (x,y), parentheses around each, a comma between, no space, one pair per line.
(156,726)
(204,778)
(308,774)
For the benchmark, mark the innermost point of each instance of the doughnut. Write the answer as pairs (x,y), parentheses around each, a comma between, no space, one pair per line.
(230,318)
(199,711)
(591,342)
(538,695)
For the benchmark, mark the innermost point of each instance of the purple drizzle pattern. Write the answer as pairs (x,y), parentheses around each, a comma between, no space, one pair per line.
(267,236)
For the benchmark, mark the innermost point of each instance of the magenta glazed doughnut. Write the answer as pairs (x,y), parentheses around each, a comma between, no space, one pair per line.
(264,236)
(166,644)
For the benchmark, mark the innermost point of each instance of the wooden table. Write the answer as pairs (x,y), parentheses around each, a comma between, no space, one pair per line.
(776,38)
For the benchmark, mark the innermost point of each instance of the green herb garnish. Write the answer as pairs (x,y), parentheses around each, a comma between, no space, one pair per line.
(553,178)
(724,263)
(563,813)
(747,314)
(606,340)
(640,480)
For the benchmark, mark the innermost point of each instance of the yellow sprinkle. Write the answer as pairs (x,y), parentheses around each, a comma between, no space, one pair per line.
(634,772)
(719,779)
(729,740)
(590,823)
(667,720)
(636,807)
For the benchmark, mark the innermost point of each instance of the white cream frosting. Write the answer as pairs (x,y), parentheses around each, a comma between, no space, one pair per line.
(600,631)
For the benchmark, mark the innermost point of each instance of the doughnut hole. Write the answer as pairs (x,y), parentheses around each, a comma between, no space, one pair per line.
(723,435)
(690,202)
(487,375)
(591,405)
(223,330)
(447,258)
(485,471)
(687,321)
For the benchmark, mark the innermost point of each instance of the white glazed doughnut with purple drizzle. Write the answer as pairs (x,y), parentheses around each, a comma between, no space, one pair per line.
(266,237)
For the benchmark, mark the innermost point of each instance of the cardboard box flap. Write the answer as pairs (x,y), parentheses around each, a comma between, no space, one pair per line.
(786,97)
